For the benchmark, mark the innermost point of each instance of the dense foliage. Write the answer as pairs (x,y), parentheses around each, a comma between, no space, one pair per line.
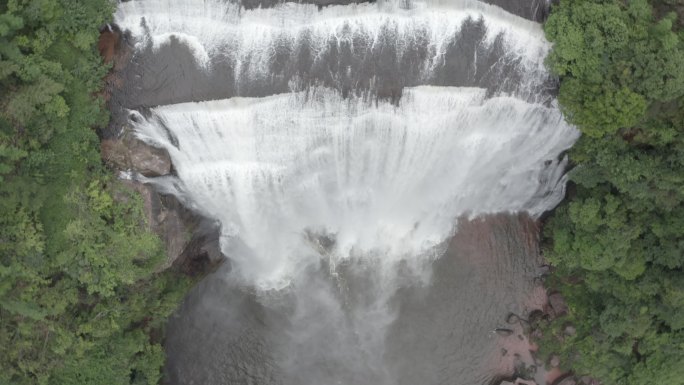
(79,300)
(618,242)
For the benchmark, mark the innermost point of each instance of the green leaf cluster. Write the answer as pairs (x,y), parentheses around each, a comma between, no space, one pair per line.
(614,60)
(618,241)
(80,300)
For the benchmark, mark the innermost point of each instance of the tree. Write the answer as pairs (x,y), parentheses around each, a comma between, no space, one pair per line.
(80,299)
(617,241)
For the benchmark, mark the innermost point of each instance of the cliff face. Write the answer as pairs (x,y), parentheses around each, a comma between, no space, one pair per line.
(191,240)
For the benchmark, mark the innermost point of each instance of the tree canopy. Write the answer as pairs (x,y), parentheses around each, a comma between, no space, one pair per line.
(80,302)
(618,241)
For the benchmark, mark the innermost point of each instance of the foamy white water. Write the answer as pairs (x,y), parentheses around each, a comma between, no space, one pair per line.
(386,181)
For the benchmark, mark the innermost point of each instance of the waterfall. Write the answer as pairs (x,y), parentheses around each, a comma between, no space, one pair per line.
(350,48)
(383,180)
(349,139)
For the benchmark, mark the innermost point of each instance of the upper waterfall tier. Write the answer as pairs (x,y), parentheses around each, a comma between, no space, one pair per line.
(226,51)
(530,9)
(383,179)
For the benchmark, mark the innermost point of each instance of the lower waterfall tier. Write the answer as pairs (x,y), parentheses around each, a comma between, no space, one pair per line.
(378,180)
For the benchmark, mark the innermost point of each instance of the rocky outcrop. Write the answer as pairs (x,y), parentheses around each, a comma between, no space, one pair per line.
(191,241)
(554,362)
(556,306)
(553,372)
(132,154)
(519,381)
(116,52)
(109,43)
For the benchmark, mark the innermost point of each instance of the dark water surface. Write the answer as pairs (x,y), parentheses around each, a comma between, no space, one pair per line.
(443,333)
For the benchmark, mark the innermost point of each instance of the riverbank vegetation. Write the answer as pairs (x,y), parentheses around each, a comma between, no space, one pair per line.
(80,302)
(618,241)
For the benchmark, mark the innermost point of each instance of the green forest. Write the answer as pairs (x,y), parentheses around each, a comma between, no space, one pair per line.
(80,302)
(617,242)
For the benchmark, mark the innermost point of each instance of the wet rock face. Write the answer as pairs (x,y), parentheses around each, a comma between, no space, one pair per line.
(108,44)
(149,161)
(134,155)
(192,241)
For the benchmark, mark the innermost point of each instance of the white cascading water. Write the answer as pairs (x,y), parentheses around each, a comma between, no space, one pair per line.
(252,40)
(386,181)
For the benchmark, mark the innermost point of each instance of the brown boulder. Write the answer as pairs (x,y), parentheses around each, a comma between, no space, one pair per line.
(148,160)
(558,305)
(109,44)
(134,154)
(569,331)
(512,318)
(554,362)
